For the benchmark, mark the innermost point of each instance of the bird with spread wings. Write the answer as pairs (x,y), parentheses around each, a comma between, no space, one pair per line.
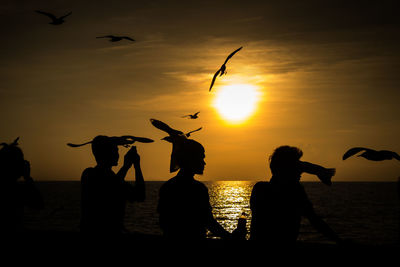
(370,154)
(169,138)
(114,38)
(55,20)
(192,116)
(222,69)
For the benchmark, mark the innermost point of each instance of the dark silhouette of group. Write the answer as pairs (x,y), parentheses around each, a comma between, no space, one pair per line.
(184,208)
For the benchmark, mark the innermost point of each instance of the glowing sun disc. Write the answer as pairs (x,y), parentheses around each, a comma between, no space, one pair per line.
(237,102)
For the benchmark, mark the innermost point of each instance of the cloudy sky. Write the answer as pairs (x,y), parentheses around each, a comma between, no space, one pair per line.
(326,73)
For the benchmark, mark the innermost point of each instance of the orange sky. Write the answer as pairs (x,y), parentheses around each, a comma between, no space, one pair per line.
(327,75)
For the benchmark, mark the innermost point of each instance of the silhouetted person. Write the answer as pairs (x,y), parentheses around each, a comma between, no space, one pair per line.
(184,203)
(103,193)
(278,206)
(15,194)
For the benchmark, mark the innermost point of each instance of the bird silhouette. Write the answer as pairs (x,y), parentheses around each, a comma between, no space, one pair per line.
(169,138)
(192,116)
(55,20)
(14,143)
(164,127)
(114,38)
(371,154)
(125,140)
(222,69)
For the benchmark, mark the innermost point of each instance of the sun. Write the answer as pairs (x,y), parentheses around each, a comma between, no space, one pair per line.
(236,103)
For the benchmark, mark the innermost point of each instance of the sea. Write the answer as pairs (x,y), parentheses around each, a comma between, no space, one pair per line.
(363,212)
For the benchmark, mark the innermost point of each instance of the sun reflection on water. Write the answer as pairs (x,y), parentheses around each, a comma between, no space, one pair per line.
(229,199)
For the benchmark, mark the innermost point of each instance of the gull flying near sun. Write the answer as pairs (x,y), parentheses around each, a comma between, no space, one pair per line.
(169,138)
(222,69)
(114,38)
(55,20)
(371,154)
(192,116)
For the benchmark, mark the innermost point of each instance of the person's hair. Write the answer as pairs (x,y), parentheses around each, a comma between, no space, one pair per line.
(11,159)
(11,152)
(284,157)
(189,152)
(101,146)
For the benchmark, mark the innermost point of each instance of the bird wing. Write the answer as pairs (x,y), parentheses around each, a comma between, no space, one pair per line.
(128,38)
(213,80)
(66,15)
(106,36)
(353,151)
(231,55)
(195,114)
(139,139)
(167,138)
(396,156)
(164,127)
(47,14)
(390,154)
(78,145)
(188,134)
(15,143)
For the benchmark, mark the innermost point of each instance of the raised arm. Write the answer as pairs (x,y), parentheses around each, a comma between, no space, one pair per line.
(324,174)
(136,193)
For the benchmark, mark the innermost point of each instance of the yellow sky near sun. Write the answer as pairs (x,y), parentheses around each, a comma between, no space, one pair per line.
(322,91)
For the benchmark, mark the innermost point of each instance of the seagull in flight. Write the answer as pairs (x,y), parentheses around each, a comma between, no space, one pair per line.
(222,69)
(169,138)
(192,116)
(55,20)
(371,154)
(125,140)
(114,38)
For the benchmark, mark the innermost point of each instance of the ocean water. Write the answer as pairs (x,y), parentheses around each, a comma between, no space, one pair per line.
(366,213)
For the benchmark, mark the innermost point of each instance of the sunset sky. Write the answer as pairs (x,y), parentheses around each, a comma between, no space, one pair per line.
(326,76)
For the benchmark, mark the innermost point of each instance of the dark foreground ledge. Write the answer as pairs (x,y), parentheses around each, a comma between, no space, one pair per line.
(75,240)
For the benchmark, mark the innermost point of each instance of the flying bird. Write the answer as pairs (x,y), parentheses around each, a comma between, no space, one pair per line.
(164,127)
(116,38)
(371,154)
(55,20)
(222,69)
(192,116)
(125,140)
(169,138)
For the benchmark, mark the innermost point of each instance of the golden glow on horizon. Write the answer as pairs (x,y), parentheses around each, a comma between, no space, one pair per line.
(236,103)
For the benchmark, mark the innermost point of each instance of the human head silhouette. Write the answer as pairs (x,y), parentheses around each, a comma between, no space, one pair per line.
(12,162)
(190,156)
(285,163)
(105,148)
(105,151)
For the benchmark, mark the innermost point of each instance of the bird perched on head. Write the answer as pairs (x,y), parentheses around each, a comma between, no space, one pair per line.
(114,38)
(192,116)
(55,20)
(222,69)
(169,138)
(371,154)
